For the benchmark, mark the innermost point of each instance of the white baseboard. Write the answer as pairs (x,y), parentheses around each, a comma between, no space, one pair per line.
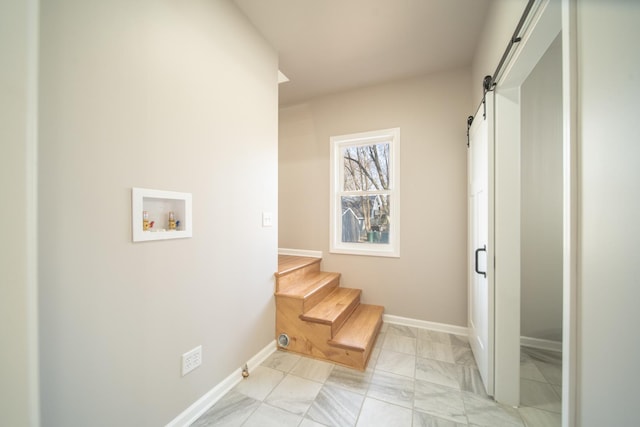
(202,405)
(262,355)
(423,324)
(541,344)
(461,330)
(300,252)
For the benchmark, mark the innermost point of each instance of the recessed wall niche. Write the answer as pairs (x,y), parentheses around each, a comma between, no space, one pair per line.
(160,215)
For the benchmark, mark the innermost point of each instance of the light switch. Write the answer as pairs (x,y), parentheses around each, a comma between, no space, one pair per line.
(267,219)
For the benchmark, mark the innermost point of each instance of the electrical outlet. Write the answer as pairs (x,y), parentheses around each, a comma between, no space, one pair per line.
(191,360)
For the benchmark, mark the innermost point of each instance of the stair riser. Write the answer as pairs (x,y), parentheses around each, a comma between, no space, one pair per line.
(343,317)
(302,305)
(297,275)
(370,345)
(318,295)
(353,358)
(339,321)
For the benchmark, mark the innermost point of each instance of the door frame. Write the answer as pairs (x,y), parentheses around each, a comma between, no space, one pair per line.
(544,25)
(570,196)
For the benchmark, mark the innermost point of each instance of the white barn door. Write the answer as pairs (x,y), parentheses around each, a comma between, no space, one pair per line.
(481,308)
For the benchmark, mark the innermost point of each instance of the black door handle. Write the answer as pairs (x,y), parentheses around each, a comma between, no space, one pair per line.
(484,248)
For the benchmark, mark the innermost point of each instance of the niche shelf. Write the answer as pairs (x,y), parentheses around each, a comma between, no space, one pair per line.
(158,204)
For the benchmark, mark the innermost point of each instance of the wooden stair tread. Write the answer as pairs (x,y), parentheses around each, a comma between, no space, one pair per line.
(338,303)
(289,263)
(360,329)
(309,286)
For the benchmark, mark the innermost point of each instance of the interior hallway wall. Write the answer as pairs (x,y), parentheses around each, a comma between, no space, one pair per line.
(18,283)
(168,95)
(502,19)
(608,72)
(429,280)
(541,213)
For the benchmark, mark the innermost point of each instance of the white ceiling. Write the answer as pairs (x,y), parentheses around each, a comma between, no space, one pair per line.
(327,46)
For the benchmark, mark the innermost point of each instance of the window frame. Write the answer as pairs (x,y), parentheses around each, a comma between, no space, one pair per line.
(337,143)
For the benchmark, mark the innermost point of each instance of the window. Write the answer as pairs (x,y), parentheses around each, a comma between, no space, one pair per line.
(365,193)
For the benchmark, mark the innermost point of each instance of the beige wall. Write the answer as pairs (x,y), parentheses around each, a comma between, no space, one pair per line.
(18,293)
(168,95)
(428,281)
(608,293)
(541,198)
(501,22)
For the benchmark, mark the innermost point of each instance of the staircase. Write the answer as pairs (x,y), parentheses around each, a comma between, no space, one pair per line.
(321,319)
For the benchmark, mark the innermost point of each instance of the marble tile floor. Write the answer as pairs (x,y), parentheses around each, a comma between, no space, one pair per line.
(540,387)
(415,377)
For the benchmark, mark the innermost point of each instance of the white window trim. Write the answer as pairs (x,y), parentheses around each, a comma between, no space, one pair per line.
(392,249)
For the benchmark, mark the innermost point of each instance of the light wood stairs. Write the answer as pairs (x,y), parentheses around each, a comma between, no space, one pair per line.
(321,319)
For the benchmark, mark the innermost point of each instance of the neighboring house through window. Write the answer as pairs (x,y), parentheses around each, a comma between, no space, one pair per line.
(365,193)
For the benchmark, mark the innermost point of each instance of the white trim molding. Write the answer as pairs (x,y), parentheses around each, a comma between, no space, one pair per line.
(300,252)
(541,344)
(571,213)
(262,355)
(210,398)
(424,324)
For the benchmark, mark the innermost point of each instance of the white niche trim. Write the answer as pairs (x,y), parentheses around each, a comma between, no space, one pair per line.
(158,204)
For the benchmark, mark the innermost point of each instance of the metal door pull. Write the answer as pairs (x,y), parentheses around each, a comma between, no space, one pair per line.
(484,248)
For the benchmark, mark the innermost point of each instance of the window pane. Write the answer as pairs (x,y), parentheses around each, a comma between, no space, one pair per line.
(366,167)
(365,181)
(365,219)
